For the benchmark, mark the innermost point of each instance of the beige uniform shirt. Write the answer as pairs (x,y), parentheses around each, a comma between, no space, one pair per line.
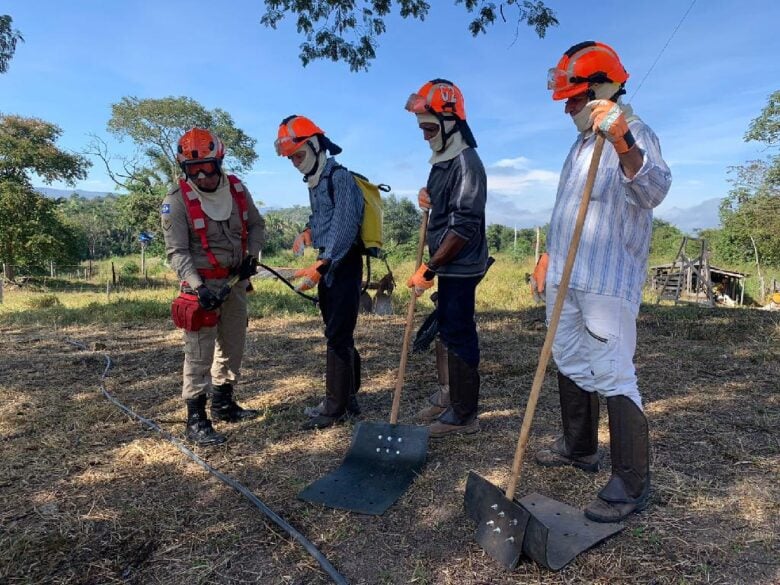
(183,246)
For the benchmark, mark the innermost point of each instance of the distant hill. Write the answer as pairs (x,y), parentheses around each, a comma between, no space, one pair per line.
(56,193)
(701,216)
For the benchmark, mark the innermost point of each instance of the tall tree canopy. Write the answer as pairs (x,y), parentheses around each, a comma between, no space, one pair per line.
(8,39)
(31,229)
(348,30)
(155,126)
(750,214)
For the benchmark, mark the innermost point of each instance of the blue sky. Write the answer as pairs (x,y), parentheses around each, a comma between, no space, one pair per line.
(713,78)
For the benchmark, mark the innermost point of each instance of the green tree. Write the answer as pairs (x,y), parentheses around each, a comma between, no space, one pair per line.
(665,240)
(8,39)
(348,31)
(401,220)
(155,126)
(31,229)
(750,214)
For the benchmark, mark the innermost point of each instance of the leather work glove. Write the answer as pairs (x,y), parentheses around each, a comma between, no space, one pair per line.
(607,117)
(248,267)
(421,280)
(311,275)
(207,299)
(424,199)
(300,243)
(539,277)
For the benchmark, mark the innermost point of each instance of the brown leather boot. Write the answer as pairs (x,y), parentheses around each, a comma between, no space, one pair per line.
(460,417)
(578,446)
(628,489)
(440,399)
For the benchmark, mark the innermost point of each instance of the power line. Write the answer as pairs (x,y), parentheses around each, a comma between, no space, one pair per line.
(674,32)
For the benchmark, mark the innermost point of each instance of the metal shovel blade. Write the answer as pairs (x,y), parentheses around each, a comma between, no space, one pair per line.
(546,531)
(501,523)
(381,463)
(556,532)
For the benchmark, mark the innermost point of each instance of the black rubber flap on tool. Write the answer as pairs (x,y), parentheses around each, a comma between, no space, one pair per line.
(557,533)
(501,523)
(381,463)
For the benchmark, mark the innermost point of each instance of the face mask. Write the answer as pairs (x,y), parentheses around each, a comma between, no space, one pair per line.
(311,150)
(582,119)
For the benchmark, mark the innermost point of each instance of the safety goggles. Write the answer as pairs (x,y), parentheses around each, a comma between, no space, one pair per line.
(417,104)
(193,169)
(286,145)
(557,79)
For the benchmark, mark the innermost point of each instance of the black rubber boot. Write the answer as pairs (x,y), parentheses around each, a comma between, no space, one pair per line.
(340,389)
(225,409)
(578,446)
(628,489)
(353,408)
(199,429)
(461,415)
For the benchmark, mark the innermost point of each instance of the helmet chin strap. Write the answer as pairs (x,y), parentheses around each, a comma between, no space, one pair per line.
(445,136)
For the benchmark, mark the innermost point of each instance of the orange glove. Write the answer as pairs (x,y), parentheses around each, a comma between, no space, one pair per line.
(310,274)
(423,199)
(303,240)
(607,117)
(539,277)
(421,280)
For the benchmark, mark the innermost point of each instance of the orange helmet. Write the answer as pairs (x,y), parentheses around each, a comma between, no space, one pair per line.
(199,144)
(583,65)
(438,96)
(293,133)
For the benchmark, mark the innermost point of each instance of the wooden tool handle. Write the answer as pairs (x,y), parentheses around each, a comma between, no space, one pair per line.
(563,288)
(399,380)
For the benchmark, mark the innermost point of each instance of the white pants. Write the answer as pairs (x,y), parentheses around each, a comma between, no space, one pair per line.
(595,342)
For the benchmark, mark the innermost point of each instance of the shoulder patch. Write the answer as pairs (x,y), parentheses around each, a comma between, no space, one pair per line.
(166,208)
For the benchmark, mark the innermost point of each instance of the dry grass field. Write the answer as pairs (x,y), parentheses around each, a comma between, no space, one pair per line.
(89,496)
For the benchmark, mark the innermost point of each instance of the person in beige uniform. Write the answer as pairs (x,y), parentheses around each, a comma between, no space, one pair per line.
(213,232)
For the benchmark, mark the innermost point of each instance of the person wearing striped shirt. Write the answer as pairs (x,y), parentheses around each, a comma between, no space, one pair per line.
(334,230)
(596,337)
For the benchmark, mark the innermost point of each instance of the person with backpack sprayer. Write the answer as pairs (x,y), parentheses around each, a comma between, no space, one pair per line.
(595,343)
(213,234)
(337,208)
(456,194)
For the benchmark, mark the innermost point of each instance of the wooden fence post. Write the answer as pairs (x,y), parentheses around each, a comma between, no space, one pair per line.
(113,274)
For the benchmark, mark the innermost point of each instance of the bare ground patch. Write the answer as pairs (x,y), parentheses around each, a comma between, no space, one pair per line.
(88,496)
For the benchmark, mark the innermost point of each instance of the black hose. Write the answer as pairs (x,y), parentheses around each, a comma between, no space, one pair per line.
(311,298)
(243,490)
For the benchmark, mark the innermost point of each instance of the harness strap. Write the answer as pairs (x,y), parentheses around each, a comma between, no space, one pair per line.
(199,222)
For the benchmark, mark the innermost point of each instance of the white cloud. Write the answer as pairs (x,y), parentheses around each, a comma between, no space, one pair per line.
(519,162)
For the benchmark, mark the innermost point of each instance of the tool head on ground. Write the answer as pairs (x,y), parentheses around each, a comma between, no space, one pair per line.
(443,100)
(381,463)
(546,531)
(582,66)
(200,153)
(554,533)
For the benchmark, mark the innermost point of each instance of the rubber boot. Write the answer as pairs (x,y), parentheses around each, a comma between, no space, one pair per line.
(578,446)
(460,417)
(224,408)
(628,489)
(199,429)
(339,388)
(353,408)
(440,399)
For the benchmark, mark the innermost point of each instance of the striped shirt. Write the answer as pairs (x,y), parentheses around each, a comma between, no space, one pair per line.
(335,223)
(612,255)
